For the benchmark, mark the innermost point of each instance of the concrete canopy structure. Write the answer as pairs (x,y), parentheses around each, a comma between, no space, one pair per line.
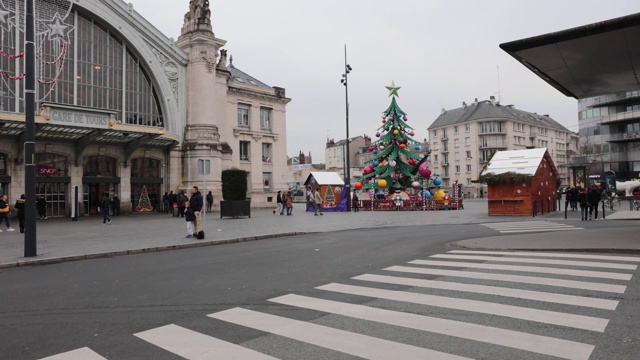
(586,61)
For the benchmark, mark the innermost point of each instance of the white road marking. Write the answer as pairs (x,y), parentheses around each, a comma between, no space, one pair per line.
(620,289)
(575,300)
(549,254)
(483,307)
(79,354)
(514,339)
(367,347)
(193,345)
(606,265)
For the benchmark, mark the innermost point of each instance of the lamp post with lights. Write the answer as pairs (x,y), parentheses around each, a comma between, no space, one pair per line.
(344,81)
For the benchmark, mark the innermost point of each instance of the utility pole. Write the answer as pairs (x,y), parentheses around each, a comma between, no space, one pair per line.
(344,81)
(30,244)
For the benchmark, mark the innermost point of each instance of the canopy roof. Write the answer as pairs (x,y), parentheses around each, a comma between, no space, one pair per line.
(518,161)
(586,61)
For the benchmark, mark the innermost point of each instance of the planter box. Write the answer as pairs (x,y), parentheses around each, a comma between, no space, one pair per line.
(235,209)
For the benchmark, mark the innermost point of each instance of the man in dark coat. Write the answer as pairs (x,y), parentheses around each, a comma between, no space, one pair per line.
(104,207)
(209,201)
(20,208)
(116,205)
(594,197)
(181,199)
(42,207)
(196,204)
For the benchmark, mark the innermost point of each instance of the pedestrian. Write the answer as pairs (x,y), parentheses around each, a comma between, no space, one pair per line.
(310,199)
(446,199)
(20,212)
(165,202)
(173,204)
(318,202)
(574,198)
(289,203)
(209,201)
(594,197)
(181,199)
(116,205)
(104,207)
(279,206)
(42,207)
(584,204)
(355,202)
(567,197)
(190,217)
(4,212)
(196,205)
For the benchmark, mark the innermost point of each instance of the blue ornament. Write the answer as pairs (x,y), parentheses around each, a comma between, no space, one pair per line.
(376,163)
(375,151)
(437,181)
(417,147)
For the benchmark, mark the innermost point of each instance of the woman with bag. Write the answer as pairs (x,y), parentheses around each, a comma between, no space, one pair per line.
(4,212)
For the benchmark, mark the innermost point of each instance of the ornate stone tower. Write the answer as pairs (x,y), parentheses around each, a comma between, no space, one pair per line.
(202,138)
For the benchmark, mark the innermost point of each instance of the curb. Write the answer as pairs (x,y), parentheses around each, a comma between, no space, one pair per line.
(109,254)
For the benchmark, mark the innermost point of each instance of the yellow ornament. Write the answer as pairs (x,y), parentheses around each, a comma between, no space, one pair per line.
(396,132)
(438,195)
(381,165)
(382,183)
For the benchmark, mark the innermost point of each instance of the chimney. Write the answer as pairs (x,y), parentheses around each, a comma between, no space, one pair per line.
(442,110)
(493,100)
(475,102)
(301,158)
(464,104)
(367,140)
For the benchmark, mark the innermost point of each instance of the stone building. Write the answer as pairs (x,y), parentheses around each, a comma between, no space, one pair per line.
(335,151)
(463,140)
(122,109)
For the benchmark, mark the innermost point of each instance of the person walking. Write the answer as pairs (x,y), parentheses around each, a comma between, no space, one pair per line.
(317,202)
(355,202)
(209,201)
(279,208)
(116,205)
(4,212)
(583,200)
(181,199)
(165,202)
(190,217)
(594,197)
(574,198)
(289,203)
(42,207)
(196,205)
(104,207)
(20,209)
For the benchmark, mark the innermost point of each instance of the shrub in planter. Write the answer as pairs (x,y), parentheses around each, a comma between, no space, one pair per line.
(234,184)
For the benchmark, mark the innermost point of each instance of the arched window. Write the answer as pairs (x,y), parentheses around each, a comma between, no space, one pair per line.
(52,164)
(100,165)
(145,168)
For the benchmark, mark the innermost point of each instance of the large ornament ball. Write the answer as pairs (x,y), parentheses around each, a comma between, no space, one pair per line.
(392,163)
(382,183)
(417,147)
(424,170)
(376,163)
(377,134)
(438,195)
(371,148)
(411,162)
(402,146)
(358,185)
(414,184)
(375,151)
(381,165)
(412,133)
(390,117)
(404,117)
(381,147)
(437,181)
(396,132)
(384,121)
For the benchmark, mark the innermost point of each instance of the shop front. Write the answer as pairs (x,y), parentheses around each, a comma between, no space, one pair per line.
(52,182)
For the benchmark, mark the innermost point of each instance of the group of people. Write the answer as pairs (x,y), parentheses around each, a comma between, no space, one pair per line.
(189,208)
(177,202)
(5,209)
(588,199)
(284,202)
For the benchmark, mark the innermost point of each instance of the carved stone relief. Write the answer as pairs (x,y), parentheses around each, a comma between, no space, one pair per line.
(170,71)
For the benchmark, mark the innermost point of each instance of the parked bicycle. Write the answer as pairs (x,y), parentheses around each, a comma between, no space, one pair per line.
(635,204)
(611,203)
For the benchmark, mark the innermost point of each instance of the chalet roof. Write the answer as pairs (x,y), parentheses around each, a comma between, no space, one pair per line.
(518,161)
(325,178)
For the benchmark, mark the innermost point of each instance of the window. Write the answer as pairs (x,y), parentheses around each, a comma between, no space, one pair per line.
(446,171)
(444,133)
(266,152)
(467,141)
(467,127)
(468,154)
(456,156)
(265,119)
(435,134)
(266,181)
(435,158)
(244,150)
(457,169)
(455,129)
(469,168)
(456,143)
(445,158)
(468,181)
(243,115)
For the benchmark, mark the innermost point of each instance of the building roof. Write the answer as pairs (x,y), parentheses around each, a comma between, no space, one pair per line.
(585,61)
(518,161)
(485,110)
(242,77)
(325,178)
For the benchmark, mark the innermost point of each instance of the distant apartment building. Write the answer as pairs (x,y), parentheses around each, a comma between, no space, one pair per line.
(335,154)
(299,169)
(464,139)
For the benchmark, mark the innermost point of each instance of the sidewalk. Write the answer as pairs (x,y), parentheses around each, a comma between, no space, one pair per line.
(65,240)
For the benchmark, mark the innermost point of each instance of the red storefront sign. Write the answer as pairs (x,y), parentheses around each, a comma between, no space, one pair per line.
(46,170)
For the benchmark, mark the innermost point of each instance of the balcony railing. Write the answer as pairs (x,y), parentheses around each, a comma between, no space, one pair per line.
(630,136)
(493,145)
(621,117)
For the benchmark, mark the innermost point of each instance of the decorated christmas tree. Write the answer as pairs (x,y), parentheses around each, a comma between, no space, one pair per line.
(394,165)
(144,204)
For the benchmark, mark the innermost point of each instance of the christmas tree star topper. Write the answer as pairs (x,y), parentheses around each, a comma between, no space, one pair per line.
(393,89)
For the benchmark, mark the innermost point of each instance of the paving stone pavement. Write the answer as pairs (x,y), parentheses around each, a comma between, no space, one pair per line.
(62,239)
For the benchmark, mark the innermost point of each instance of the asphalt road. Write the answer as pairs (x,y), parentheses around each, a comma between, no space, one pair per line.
(102,303)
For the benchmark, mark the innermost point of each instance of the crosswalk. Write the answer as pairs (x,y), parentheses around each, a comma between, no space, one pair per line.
(462,304)
(529,226)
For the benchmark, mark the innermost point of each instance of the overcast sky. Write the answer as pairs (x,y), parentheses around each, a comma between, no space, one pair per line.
(440,52)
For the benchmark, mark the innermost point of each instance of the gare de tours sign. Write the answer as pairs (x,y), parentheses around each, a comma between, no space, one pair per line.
(70,116)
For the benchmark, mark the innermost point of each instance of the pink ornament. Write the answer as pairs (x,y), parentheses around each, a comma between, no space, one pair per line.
(404,117)
(424,170)
(412,133)
(377,134)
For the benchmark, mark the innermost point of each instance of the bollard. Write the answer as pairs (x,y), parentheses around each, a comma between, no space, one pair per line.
(535,208)
(603,215)
(565,209)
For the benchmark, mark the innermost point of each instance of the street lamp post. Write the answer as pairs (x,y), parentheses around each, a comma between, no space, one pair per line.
(347,70)
(30,245)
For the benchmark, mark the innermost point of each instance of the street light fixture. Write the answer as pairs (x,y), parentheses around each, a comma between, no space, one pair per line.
(344,81)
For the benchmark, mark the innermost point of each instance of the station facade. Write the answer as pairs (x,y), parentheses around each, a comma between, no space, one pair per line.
(124,110)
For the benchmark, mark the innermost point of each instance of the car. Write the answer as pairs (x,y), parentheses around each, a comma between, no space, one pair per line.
(562,189)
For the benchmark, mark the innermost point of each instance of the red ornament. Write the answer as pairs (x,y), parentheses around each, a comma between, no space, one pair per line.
(384,121)
(371,148)
(411,162)
(402,146)
(358,185)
